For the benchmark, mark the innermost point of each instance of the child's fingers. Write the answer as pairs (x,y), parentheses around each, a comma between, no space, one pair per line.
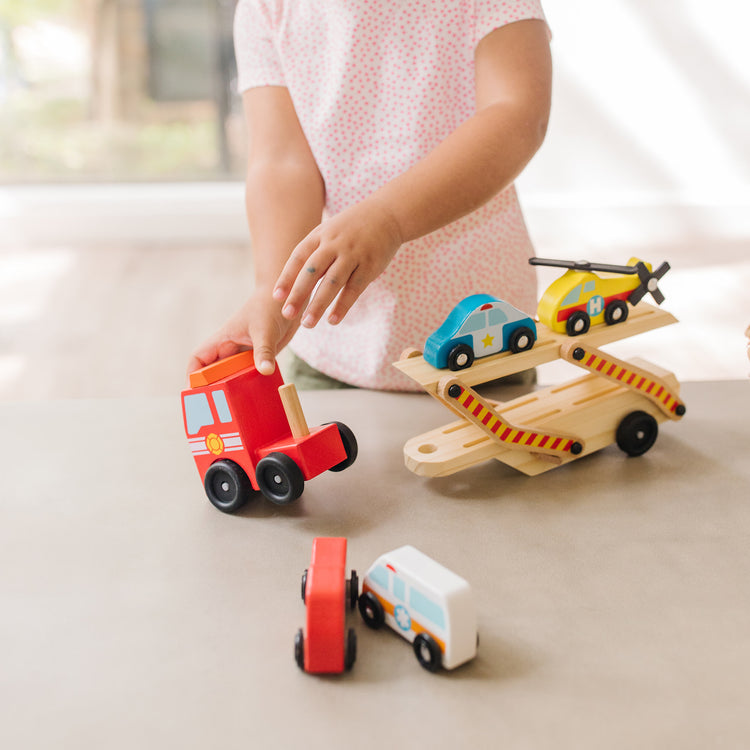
(332,282)
(298,260)
(349,295)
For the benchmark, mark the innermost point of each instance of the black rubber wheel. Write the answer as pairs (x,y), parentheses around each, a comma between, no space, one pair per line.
(616,312)
(351,649)
(579,322)
(227,486)
(299,649)
(636,433)
(353,584)
(460,357)
(350,447)
(279,478)
(427,652)
(521,339)
(371,610)
(304,585)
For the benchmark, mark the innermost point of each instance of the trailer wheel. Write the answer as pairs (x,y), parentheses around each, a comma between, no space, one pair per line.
(427,652)
(279,478)
(636,433)
(350,447)
(227,486)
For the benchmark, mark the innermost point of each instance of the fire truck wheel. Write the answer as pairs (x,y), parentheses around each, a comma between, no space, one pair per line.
(227,486)
(427,652)
(350,447)
(637,433)
(616,312)
(299,648)
(279,478)
(350,654)
(578,323)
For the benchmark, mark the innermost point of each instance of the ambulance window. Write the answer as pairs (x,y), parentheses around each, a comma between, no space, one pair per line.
(573,296)
(426,607)
(589,286)
(222,407)
(398,588)
(379,575)
(197,412)
(475,323)
(496,317)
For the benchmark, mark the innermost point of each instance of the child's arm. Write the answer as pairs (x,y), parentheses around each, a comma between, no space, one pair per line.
(284,201)
(478,160)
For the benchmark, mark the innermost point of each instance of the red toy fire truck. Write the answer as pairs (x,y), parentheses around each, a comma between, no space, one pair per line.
(323,647)
(247,432)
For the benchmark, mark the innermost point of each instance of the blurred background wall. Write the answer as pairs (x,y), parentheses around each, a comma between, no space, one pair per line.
(123,239)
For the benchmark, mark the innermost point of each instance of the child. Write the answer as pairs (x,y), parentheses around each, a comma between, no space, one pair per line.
(402,124)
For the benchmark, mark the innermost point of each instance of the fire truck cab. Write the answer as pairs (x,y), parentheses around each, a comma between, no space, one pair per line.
(247,432)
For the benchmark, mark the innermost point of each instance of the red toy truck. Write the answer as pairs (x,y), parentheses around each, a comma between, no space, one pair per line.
(322,647)
(247,432)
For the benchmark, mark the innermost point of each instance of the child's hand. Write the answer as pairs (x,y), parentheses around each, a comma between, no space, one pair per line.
(344,253)
(257,325)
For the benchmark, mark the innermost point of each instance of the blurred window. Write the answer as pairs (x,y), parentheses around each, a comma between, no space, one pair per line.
(118,90)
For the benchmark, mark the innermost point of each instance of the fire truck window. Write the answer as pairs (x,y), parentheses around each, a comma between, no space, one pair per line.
(222,407)
(197,413)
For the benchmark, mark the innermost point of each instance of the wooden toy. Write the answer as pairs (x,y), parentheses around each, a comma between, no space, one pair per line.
(247,432)
(580,298)
(322,647)
(478,326)
(425,603)
(614,402)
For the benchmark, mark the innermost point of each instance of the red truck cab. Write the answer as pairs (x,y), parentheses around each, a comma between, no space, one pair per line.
(247,432)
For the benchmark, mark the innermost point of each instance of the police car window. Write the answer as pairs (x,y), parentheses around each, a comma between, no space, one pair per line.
(427,608)
(398,588)
(197,413)
(476,322)
(573,296)
(379,575)
(222,407)
(496,317)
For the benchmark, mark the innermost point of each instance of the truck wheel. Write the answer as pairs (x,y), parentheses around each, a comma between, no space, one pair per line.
(279,478)
(636,433)
(427,652)
(579,322)
(227,486)
(304,586)
(350,447)
(353,587)
(371,610)
(521,339)
(351,649)
(460,357)
(299,649)
(616,312)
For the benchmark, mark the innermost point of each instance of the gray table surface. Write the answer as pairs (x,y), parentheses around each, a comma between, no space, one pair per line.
(613,593)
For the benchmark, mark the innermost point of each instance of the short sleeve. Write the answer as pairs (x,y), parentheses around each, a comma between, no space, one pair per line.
(257,57)
(492,14)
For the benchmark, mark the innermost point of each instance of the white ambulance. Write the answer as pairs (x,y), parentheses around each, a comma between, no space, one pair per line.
(429,605)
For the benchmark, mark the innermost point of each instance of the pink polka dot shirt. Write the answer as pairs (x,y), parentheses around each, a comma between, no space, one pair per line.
(376,85)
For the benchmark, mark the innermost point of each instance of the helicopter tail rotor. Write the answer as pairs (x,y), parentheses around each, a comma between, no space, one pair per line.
(649,283)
